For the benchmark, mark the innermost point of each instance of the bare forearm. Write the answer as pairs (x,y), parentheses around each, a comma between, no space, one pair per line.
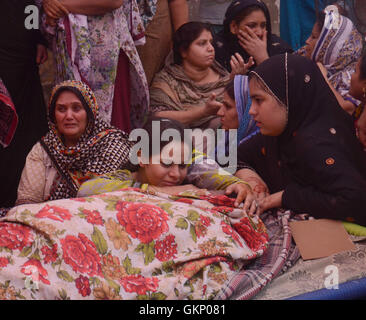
(346,105)
(91,7)
(253,179)
(178,12)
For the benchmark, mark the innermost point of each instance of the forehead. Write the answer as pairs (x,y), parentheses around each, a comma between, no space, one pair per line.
(205,34)
(67,97)
(257,16)
(316,29)
(228,100)
(256,87)
(176,151)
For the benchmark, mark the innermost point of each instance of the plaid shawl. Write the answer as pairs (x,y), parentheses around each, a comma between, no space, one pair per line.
(280,255)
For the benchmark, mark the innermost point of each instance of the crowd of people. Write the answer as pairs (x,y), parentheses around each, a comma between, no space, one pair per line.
(121,65)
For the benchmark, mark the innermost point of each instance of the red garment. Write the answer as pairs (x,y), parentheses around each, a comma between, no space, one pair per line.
(122,95)
(8,117)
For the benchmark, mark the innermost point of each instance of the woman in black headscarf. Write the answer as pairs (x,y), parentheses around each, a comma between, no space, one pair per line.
(247,32)
(307,150)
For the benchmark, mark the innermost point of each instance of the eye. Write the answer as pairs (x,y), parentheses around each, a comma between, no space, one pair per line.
(60,108)
(182,166)
(77,107)
(251,25)
(258,100)
(166,165)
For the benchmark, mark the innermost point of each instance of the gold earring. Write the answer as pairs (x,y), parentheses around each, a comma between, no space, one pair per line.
(364,92)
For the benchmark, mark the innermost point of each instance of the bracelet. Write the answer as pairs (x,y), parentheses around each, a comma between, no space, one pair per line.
(243,182)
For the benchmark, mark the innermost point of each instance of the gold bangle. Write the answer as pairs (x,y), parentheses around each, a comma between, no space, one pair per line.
(243,182)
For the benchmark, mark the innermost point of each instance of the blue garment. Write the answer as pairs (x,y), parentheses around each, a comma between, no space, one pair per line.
(297,18)
(243,102)
(247,127)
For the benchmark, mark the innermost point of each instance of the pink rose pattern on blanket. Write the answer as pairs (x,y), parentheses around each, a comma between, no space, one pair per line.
(126,245)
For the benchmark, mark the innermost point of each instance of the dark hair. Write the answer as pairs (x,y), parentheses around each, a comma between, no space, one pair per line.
(164,124)
(184,37)
(80,97)
(246,12)
(230,90)
(363,67)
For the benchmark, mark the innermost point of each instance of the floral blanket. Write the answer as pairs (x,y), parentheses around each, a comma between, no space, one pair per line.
(126,245)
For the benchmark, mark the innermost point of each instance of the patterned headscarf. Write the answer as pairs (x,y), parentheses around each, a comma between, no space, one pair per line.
(101,148)
(338,48)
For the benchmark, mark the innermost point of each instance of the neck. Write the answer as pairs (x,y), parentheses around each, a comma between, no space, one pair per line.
(70,142)
(196,74)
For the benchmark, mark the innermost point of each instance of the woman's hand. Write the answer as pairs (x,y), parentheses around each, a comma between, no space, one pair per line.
(54,9)
(243,192)
(253,45)
(238,65)
(212,105)
(259,187)
(272,201)
(42,54)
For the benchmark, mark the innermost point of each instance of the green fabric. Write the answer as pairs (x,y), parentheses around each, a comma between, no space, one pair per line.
(354,229)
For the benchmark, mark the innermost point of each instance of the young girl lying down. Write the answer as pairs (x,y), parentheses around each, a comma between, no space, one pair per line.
(132,244)
(166,168)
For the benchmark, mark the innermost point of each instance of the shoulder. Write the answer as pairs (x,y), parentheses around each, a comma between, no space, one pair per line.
(322,154)
(166,74)
(38,153)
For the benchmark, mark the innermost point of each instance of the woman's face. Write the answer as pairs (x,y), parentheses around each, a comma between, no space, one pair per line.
(270,116)
(228,113)
(256,21)
(167,169)
(357,84)
(71,117)
(312,40)
(201,52)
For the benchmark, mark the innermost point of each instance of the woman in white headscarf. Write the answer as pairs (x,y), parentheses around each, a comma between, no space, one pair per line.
(336,45)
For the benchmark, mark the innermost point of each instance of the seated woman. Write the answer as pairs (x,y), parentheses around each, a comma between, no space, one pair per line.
(78,144)
(234,114)
(247,32)
(307,151)
(168,168)
(358,91)
(189,90)
(336,45)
